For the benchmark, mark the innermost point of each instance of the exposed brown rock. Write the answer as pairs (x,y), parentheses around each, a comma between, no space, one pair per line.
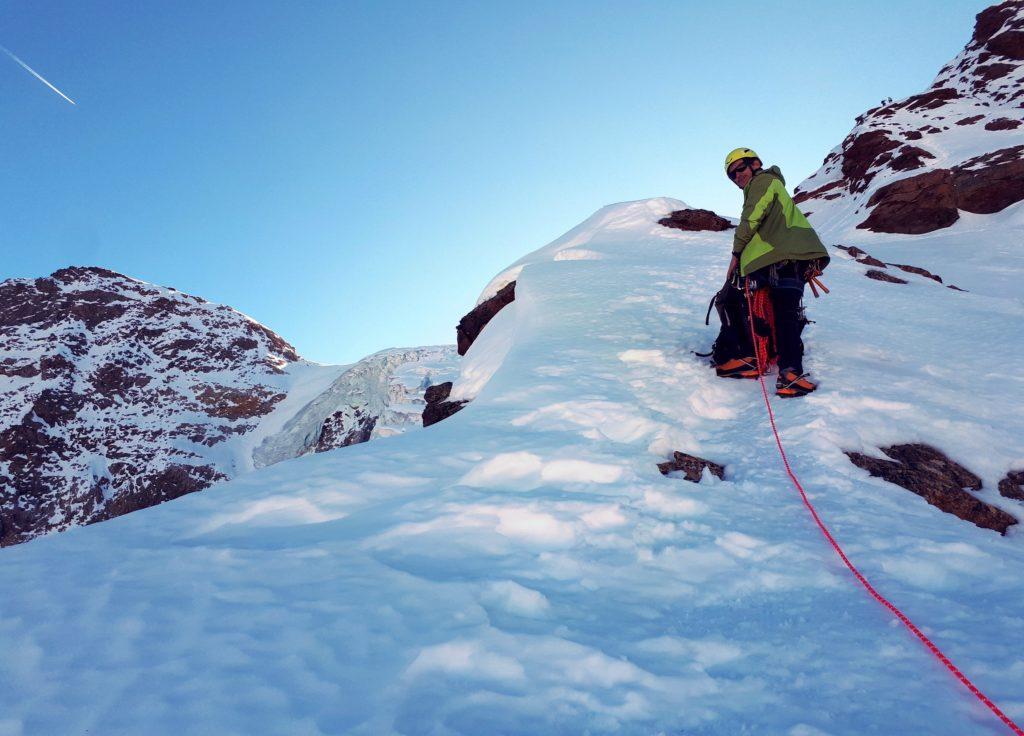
(930,100)
(799,196)
(173,482)
(970,120)
(956,288)
(913,135)
(1009,44)
(692,466)
(917,204)
(694,220)
(12,368)
(232,403)
(472,324)
(990,20)
(909,158)
(918,270)
(1002,124)
(883,276)
(862,256)
(1012,486)
(334,432)
(940,481)
(438,407)
(862,153)
(990,183)
(991,72)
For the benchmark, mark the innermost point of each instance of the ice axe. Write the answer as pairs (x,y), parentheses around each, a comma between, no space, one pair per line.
(813,281)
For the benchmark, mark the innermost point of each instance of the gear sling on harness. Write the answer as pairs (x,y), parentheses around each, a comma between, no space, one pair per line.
(903,618)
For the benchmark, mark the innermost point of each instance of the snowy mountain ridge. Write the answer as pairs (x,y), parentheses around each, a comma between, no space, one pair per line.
(918,164)
(118,395)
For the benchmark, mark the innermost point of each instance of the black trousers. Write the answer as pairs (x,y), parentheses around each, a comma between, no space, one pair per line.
(786,281)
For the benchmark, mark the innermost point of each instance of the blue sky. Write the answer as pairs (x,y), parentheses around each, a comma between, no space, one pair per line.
(352,174)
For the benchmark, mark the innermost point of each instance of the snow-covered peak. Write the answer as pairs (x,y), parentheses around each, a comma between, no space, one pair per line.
(604,227)
(116,395)
(915,165)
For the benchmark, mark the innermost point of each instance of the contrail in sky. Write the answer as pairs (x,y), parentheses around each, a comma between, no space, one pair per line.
(35,74)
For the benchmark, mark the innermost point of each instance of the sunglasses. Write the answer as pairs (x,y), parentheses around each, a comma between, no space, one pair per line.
(736,172)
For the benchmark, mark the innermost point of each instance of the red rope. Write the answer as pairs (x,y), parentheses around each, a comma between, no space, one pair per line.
(863,581)
(765,345)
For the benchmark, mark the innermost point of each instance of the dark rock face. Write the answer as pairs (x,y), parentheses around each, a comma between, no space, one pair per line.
(694,220)
(472,324)
(1002,124)
(917,204)
(438,407)
(335,432)
(990,20)
(930,201)
(104,405)
(992,182)
(692,466)
(940,481)
(862,256)
(883,276)
(980,90)
(1012,486)
(918,270)
(909,158)
(864,152)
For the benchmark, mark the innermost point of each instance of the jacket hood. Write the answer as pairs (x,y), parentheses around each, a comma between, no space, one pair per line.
(773,170)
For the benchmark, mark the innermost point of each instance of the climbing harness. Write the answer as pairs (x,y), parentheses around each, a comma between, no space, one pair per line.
(932,647)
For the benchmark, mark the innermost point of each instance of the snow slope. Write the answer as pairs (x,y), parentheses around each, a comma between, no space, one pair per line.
(523,568)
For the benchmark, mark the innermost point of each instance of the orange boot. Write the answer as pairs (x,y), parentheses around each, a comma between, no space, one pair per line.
(737,368)
(790,383)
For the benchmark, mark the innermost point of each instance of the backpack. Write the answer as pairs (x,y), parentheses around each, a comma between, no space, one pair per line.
(733,339)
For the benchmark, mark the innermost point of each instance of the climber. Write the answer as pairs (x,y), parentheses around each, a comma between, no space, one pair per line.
(775,247)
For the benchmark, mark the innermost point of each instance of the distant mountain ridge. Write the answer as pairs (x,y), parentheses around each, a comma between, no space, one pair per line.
(118,395)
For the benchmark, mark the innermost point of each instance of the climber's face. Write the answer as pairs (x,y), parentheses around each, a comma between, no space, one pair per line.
(742,171)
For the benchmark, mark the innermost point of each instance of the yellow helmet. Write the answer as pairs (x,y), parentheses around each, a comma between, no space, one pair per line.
(736,154)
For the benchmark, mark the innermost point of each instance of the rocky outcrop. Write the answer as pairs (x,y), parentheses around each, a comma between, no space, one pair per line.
(862,153)
(695,220)
(472,324)
(107,403)
(1012,486)
(342,429)
(691,466)
(981,91)
(940,481)
(862,256)
(438,407)
(877,275)
(919,204)
(918,270)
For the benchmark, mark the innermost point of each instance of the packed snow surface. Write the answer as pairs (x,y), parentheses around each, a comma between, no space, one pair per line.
(523,568)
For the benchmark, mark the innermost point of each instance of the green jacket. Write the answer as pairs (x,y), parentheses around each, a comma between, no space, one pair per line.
(771,227)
